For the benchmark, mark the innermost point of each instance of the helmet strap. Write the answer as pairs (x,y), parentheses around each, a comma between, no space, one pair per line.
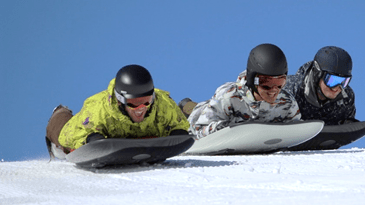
(253,93)
(321,95)
(121,108)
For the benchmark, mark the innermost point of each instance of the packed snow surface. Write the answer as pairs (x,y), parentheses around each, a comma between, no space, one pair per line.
(311,177)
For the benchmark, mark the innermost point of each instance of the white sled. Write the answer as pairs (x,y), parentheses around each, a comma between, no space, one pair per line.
(255,137)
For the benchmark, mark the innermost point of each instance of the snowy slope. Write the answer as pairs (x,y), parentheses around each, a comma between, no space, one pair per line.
(316,177)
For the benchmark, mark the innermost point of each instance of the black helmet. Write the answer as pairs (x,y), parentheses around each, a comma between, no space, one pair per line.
(265,59)
(133,81)
(334,60)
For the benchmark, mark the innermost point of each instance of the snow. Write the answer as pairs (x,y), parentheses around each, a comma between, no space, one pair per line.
(311,177)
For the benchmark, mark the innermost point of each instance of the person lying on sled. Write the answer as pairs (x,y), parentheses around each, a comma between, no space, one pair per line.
(256,96)
(130,108)
(321,87)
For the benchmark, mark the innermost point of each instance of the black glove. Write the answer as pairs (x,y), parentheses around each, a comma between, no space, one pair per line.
(93,137)
(179,132)
(350,120)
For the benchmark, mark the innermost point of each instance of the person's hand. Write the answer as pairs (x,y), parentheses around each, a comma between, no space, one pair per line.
(350,120)
(179,132)
(93,137)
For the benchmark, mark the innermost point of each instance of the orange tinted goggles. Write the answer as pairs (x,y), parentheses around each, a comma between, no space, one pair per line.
(139,103)
(135,107)
(270,82)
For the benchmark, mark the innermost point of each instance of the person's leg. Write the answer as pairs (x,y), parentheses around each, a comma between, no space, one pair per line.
(61,114)
(187,105)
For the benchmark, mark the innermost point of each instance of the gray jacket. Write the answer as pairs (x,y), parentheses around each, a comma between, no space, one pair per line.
(233,102)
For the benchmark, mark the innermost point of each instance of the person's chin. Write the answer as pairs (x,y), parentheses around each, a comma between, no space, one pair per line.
(271,98)
(332,97)
(138,118)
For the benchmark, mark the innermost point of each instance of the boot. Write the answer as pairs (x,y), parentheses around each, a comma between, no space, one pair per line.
(60,116)
(187,105)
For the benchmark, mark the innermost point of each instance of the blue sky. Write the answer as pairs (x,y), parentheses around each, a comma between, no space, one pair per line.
(54,52)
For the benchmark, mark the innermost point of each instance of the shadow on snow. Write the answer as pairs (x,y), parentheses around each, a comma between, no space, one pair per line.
(168,164)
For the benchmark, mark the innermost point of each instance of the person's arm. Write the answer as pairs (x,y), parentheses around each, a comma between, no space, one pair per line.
(94,136)
(350,108)
(213,115)
(89,120)
(179,132)
(293,112)
(290,109)
(178,123)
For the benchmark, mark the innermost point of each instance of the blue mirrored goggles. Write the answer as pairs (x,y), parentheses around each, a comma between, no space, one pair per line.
(332,81)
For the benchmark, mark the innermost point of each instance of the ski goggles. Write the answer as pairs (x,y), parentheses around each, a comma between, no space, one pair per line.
(135,107)
(332,81)
(141,101)
(269,82)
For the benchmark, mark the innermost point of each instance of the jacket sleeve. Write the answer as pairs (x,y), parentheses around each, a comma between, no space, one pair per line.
(351,107)
(177,120)
(351,112)
(293,112)
(214,114)
(292,107)
(89,120)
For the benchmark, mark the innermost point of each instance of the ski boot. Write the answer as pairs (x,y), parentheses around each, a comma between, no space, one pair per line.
(187,105)
(60,115)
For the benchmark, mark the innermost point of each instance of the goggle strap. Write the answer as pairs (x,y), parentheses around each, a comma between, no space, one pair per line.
(120,97)
(256,81)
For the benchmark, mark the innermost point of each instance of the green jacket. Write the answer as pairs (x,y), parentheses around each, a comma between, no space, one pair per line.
(100,114)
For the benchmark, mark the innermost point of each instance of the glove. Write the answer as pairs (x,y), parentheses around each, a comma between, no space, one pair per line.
(179,132)
(350,120)
(93,137)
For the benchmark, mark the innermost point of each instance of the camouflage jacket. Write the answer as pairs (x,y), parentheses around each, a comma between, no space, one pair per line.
(233,102)
(332,112)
